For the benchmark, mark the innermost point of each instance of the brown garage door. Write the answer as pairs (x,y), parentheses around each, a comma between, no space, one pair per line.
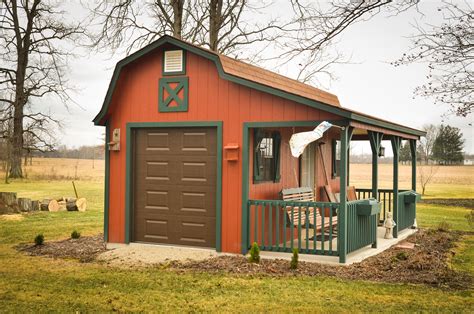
(175,186)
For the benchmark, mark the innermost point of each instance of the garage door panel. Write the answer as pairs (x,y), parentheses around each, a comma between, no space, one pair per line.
(175,186)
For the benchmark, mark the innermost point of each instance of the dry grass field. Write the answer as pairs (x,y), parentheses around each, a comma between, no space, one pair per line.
(63,169)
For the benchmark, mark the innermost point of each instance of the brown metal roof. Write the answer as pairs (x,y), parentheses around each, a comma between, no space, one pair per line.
(272,79)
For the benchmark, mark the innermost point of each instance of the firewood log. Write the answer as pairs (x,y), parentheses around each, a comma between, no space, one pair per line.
(81,204)
(71,206)
(9,198)
(44,204)
(24,204)
(53,206)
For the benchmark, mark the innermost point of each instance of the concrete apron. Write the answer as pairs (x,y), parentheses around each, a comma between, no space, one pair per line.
(145,253)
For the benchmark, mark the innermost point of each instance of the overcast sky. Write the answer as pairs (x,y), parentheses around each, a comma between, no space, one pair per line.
(370,84)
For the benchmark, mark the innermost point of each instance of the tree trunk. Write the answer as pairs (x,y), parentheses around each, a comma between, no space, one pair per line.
(178,6)
(215,12)
(17,142)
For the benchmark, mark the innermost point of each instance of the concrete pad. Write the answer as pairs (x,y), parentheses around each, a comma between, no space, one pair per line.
(141,254)
(354,257)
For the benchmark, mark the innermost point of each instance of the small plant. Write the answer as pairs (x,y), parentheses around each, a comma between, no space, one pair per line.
(294,259)
(470,219)
(254,253)
(39,239)
(75,235)
(444,226)
(401,256)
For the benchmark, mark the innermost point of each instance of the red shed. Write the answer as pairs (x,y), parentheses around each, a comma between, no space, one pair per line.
(198,155)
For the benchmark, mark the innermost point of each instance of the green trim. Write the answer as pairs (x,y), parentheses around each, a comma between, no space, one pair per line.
(396,143)
(345,113)
(106,182)
(342,213)
(183,72)
(182,104)
(129,162)
(375,139)
(413,164)
(245,167)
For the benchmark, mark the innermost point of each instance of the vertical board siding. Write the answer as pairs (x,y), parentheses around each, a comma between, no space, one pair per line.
(210,99)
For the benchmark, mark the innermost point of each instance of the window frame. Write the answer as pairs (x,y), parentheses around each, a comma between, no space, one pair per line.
(258,136)
(182,72)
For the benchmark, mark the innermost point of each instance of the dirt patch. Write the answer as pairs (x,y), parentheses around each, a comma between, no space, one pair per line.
(85,249)
(458,202)
(426,264)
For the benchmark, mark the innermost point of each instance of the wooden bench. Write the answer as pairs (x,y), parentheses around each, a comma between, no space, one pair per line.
(304,194)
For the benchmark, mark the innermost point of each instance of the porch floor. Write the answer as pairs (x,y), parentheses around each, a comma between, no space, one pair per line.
(354,257)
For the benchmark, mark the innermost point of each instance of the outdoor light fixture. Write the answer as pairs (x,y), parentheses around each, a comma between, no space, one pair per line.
(382,151)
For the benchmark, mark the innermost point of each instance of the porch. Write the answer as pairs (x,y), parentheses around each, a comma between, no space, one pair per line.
(341,228)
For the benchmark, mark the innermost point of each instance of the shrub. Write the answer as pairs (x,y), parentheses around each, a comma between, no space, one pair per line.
(254,253)
(75,235)
(402,256)
(444,226)
(470,218)
(39,239)
(294,259)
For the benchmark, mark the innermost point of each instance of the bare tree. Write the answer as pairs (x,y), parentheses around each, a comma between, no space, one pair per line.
(33,64)
(448,51)
(425,144)
(219,25)
(426,174)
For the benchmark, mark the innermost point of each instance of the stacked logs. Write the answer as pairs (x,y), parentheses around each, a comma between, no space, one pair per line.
(9,203)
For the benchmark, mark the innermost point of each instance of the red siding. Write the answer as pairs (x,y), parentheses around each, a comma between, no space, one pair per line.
(210,99)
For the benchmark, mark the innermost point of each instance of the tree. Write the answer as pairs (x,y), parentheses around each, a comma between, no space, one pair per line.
(425,144)
(448,146)
(448,51)
(33,64)
(216,24)
(405,153)
(426,173)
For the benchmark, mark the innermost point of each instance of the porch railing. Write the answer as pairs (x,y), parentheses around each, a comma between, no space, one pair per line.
(361,230)
(406,211)
(385,197)
(280,226)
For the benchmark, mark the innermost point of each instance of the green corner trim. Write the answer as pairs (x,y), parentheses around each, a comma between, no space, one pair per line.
(106,182)
(182,103)
(129,163)
(343,112)
(183,72)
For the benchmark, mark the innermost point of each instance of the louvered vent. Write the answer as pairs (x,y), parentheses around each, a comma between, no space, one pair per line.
(173,61)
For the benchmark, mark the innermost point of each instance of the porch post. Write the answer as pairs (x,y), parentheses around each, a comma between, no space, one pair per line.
(342,215)
(375,139)
(396,143)
(413,164)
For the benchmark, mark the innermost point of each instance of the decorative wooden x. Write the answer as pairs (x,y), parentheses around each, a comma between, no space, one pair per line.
(165,84)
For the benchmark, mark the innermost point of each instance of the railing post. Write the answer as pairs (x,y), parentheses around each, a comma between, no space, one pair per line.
(342,219)
(396,143)
(413,164)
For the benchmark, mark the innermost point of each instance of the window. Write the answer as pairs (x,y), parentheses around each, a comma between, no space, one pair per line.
(266,161)
(174,62)
(336,158)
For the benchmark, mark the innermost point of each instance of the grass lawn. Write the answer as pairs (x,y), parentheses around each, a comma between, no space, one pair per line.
(42,284)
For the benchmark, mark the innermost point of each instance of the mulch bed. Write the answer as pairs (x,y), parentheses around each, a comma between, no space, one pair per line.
(85,249)
(426,264)
(458,202)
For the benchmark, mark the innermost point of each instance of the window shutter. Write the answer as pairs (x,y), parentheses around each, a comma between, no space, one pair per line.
(276,156)
(257,138)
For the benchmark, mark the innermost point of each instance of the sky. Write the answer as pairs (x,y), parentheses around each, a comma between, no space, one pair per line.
(369,83)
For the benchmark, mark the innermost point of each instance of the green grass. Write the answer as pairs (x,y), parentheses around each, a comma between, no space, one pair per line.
(30,284)
(430,215)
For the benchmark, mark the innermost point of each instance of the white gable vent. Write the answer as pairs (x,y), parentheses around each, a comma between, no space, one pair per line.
(174,61)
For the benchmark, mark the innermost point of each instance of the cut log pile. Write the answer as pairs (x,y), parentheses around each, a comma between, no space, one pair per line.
(9,203)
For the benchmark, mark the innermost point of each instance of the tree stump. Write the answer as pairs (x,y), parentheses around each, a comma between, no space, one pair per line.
(24,204)
(9,198)
(44,204)
(71,206)
(35,205)
(81,204)
(53,206)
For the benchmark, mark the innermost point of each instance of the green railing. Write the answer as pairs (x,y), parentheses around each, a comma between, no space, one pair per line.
(361,229)
(280,226)
(385,197)
(406,211)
